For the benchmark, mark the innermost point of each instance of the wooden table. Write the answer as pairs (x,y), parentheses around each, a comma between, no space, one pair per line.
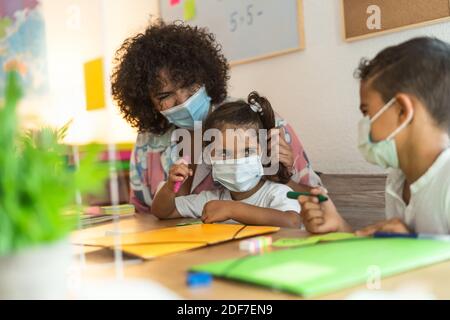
(170,271)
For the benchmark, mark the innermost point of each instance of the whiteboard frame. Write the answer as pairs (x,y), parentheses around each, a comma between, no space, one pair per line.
(380,33)
(301,39)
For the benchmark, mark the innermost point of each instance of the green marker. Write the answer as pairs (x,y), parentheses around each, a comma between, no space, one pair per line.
(295,195)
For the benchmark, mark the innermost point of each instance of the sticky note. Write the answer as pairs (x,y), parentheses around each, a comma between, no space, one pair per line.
(189,10)
(174,2)
(94,84)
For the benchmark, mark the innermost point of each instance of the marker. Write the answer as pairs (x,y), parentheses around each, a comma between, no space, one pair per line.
(177,185)
(441,237)
(198,279)
(294,195)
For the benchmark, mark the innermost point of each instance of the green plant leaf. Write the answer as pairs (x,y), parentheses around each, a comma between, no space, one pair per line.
(36,183)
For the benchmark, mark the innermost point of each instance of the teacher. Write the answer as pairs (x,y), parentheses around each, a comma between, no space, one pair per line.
(166,78)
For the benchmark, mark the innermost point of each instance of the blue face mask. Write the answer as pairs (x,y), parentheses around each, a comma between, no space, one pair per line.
(382,153)
(193,109)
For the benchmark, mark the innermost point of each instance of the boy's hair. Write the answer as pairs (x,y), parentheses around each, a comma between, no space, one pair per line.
(240,114)
(420,67)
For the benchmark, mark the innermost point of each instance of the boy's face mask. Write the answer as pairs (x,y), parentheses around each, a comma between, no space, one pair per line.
(382,153)
(193,109)
(238,175)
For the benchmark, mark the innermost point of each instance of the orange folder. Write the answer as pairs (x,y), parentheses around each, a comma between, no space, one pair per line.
(160,242)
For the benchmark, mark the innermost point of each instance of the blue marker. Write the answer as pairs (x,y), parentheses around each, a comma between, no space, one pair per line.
(198,279)
(440,237)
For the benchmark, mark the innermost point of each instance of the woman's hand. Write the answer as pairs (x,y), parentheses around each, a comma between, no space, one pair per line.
(283,148)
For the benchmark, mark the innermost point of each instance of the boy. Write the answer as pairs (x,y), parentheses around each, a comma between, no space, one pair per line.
(405,100)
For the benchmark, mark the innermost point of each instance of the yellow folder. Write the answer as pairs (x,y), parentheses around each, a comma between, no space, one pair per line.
(155,243)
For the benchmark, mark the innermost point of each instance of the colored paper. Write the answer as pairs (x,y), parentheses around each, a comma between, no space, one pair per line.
(296,242)
(154,243)
(319,269)
(94,84)
(95,214)
(189,10)
(151,251)
(118,209)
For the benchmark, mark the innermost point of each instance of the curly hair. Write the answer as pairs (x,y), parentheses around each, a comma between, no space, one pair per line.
(189,54)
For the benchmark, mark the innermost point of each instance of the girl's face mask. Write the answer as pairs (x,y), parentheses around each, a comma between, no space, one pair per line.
(382,153)
(238,175)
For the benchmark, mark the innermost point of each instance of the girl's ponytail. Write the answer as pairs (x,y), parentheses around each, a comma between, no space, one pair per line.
(267,116)
(264,109)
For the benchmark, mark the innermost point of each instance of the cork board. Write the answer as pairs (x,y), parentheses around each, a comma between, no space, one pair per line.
(365,18)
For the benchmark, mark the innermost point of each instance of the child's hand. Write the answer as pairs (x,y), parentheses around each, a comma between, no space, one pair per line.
(395,225)
(217,211)
(319,217)
(178,173)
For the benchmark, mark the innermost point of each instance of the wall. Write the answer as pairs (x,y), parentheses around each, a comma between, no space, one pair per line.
(77,31)
(314,89)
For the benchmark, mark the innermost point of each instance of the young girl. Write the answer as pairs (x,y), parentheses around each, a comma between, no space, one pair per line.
(247,195)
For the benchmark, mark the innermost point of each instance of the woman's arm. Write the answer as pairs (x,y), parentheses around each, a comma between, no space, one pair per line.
(222,210)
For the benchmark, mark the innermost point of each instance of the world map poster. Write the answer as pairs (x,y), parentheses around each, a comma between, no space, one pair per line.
(22,44)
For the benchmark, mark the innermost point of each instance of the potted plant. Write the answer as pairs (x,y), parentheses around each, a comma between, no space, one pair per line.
(36,185)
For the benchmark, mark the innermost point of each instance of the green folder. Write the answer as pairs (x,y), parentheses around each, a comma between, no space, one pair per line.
(323,268)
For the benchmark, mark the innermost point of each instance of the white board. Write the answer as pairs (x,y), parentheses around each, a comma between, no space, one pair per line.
(247,29)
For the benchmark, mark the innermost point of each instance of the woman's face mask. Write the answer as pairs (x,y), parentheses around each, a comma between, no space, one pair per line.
(193,109)
(382,153)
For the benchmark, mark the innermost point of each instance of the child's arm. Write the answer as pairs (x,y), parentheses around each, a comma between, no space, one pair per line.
(222,210)
(394,225)
(163,205)
(321,217)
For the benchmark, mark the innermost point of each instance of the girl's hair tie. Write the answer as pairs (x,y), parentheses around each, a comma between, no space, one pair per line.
(256,107)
